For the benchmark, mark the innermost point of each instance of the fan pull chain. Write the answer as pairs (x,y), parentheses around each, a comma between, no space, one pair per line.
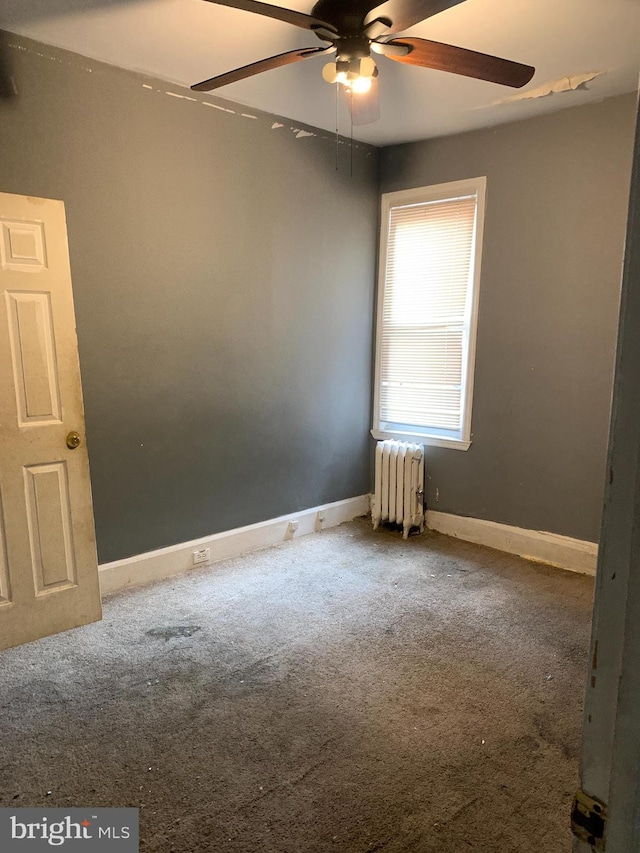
(337,135)
(351,142)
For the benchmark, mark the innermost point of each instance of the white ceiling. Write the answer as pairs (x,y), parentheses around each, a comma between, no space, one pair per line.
(185,41)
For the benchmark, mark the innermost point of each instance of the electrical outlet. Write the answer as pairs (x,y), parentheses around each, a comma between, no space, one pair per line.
(201,556)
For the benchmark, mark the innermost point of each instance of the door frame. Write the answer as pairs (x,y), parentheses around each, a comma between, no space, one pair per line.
(610,767)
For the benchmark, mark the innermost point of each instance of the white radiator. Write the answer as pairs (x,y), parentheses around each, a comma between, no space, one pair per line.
(399,485)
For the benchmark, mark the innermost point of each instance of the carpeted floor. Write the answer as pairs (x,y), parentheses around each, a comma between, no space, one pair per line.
(347,691)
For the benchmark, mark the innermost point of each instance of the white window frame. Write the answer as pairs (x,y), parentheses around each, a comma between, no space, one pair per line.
(438,192)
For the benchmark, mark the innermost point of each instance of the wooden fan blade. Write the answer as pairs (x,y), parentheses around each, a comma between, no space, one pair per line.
(289,16)
(258,67)
(405,13)
(459,60)
(365,107)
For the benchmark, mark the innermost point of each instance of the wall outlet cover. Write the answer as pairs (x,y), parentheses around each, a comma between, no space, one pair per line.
(201,556)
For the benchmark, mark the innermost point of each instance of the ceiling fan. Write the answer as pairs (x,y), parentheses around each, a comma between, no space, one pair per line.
(353,29)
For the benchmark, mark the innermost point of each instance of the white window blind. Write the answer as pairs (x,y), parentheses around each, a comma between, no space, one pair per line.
(427,308)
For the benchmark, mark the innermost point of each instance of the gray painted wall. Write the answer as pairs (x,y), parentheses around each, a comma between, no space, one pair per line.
(223,275)
(557,196)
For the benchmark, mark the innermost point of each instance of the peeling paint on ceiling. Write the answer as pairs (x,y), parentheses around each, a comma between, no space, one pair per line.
(571,83)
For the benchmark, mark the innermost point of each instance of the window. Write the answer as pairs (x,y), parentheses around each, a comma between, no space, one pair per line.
(430,248)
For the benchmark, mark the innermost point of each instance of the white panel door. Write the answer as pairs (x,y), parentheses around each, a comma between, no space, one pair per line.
(48,564)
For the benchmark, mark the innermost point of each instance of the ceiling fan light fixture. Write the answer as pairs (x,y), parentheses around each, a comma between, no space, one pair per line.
(355,75)
(360,85)
(367,67)
(330,73)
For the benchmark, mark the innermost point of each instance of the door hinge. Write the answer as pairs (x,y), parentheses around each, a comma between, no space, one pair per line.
(588,820)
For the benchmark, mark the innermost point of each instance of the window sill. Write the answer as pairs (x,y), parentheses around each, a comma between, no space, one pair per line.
(427,440)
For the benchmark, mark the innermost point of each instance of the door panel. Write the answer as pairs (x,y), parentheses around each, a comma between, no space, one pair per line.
(34,365)
(49,519)
(48,564)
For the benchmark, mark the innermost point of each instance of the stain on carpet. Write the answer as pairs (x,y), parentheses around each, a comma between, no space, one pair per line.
(172,632)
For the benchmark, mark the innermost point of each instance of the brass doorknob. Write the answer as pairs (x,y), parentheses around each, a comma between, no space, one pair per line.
(73,440)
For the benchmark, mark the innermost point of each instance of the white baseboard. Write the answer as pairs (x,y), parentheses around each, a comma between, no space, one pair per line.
(176,559)
(575,555)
